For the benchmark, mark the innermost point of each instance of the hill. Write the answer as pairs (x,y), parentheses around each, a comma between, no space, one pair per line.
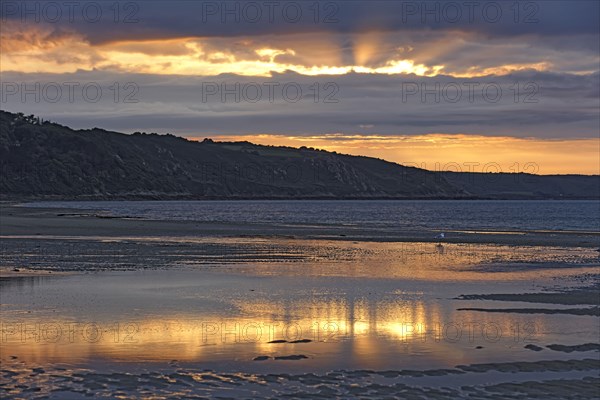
(44,160)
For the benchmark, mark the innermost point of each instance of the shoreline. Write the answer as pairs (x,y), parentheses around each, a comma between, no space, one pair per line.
(22,221)
(486,313)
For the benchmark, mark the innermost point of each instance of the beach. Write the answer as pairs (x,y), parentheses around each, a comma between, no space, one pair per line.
(342,200)
(95,303)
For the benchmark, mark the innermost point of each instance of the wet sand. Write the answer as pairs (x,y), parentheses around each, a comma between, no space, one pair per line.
(548,380)
(585,295)
(136,308)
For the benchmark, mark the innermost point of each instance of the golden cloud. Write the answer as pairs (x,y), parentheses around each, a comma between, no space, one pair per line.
(39,49)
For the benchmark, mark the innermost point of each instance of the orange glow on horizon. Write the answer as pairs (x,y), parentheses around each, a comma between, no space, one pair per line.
(466,153)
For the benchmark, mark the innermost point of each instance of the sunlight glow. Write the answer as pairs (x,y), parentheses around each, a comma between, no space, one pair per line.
(473,153)
(39,50)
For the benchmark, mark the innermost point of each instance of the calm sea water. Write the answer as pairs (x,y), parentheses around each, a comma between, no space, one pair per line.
(497,215)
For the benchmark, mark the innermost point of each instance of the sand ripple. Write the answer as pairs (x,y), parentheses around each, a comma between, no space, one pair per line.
(21,381)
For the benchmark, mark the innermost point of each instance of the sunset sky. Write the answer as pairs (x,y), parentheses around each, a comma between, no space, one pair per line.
(466,86)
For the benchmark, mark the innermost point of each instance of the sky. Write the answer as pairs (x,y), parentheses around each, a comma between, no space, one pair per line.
(510,86)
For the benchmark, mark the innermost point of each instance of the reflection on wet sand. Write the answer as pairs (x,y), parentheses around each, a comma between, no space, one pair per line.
(345,304)
(329,312)
(293,257)
(332,332)
(426,261)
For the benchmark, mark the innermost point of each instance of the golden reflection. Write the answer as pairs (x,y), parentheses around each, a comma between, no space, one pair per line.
(453,262)
(369,329)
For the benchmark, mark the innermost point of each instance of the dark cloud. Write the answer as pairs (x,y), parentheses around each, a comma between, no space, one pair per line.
(561,36)
(172,19)
(532,104)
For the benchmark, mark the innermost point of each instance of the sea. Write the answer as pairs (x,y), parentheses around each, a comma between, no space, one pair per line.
(501,215)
